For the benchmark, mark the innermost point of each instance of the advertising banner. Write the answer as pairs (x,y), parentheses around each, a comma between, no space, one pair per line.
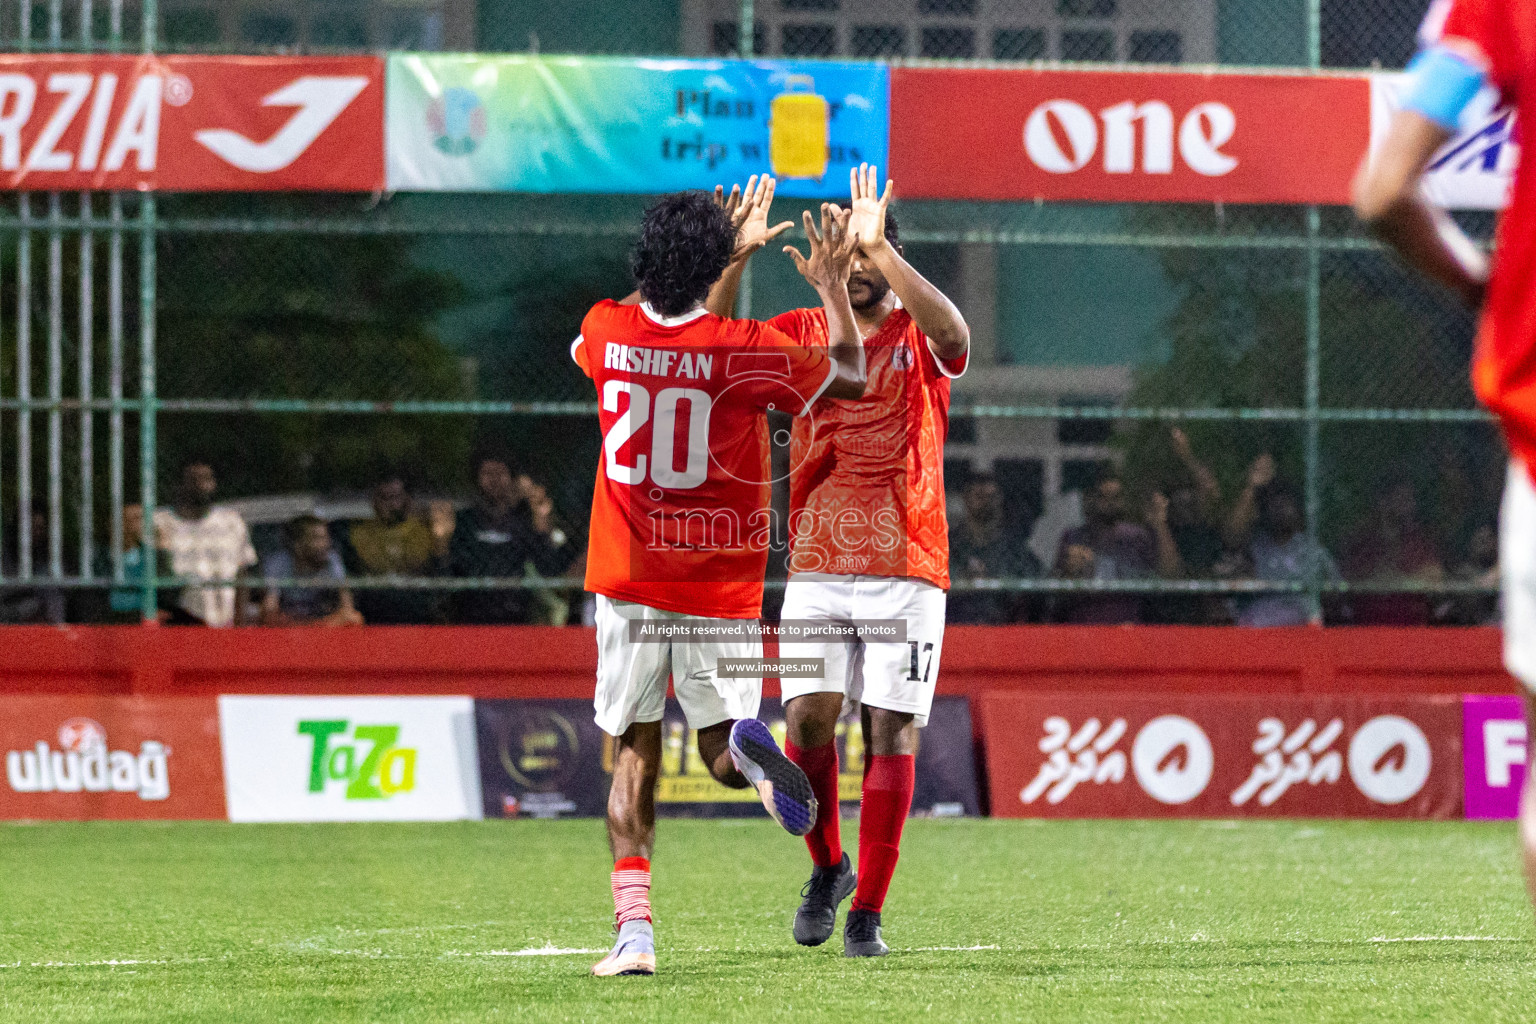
(349,758)
(191,124)
(1133,756)
(546,758)
(1474,171)
(528,123)
(116,758)
(1493,737)
(1113,136)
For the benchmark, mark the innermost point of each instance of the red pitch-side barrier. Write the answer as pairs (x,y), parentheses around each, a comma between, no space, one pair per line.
(531,661)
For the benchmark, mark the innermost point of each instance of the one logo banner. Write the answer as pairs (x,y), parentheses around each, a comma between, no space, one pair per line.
(527,123)
(546,758)
(349,758)
(1112,136)
(1117,755)
(90,757)
(191,124)
(1493,734)
(1475,170)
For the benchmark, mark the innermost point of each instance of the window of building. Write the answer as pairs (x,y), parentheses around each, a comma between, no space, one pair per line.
(269,29)
(877,41)
(1085,44)
(1156,48)
(188,27)
(949,41)
(811,40)
(1018,44)
(727,34)
(412,28)
(342,28)
(947,8)
(1086,8)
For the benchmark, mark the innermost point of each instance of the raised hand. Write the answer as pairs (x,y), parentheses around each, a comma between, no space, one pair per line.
(1262,472)
(748,211)
(832,249)
(868,205)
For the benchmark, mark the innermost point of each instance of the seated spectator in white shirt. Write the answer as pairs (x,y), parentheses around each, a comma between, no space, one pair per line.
(210,547)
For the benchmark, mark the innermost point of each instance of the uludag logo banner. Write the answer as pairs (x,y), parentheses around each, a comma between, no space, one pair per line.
(110,757)
(192,124)
(1126,136)
(1119,755)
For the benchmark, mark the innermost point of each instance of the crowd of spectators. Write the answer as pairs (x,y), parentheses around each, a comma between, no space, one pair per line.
(423,562)
(1186,531)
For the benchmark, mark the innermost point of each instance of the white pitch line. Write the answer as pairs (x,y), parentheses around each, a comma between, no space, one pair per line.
(1446,938)
(535,951)
(946,949)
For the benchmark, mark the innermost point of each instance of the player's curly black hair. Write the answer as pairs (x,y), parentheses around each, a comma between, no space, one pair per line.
(685,244)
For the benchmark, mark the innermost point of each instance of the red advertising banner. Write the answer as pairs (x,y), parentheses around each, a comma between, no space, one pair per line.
(1133,756)
(83,758)
(191,124)
(1125,136)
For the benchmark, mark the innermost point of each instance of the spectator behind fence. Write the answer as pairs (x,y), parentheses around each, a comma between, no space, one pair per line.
(1108,546)
(981,547)
(397,542)
(509,532)
(307,554)
(1479,565)
(1391,546)
(1278,549)
(29,604)
(1193,508)
(210,546)
(124,603)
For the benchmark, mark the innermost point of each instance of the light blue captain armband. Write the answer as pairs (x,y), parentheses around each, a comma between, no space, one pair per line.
(1441,85)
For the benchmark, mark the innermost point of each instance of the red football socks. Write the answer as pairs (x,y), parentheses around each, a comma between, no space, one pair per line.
(631,880)
(887,800)
(825,840)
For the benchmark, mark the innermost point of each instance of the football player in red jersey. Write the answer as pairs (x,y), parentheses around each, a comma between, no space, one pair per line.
(681,490)
(869,541)
(1468,45)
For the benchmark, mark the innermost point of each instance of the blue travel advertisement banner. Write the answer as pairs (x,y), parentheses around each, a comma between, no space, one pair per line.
(530,123)
(548,759)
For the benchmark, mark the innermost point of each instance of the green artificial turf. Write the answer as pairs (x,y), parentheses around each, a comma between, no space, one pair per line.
(1090,921)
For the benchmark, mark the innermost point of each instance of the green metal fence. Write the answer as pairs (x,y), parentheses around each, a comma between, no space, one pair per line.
(307,344)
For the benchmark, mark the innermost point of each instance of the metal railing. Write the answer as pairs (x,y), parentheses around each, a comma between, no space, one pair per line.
(41,234)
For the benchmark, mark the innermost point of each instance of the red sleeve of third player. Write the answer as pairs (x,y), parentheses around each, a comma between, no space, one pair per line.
(774,370)
(591,325)
(1480,32)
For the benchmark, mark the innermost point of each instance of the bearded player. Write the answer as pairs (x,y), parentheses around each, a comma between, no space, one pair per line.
(1469,44)
(681,490)
(869,542)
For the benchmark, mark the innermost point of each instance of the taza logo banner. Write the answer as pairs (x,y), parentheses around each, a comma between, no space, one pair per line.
(528,123)
(349,758)
(191,124)
(1124,755)
(110,757)
(1126,136)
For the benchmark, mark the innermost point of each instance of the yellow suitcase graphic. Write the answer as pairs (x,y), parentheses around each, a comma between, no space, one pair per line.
(798,130)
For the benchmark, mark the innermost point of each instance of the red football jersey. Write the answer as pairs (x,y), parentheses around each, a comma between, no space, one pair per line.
(680,517)
(867,475)
(1500,36)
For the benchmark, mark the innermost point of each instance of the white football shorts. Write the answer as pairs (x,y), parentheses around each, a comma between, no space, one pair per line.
(1517,574)
(632,677)
(899,676)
